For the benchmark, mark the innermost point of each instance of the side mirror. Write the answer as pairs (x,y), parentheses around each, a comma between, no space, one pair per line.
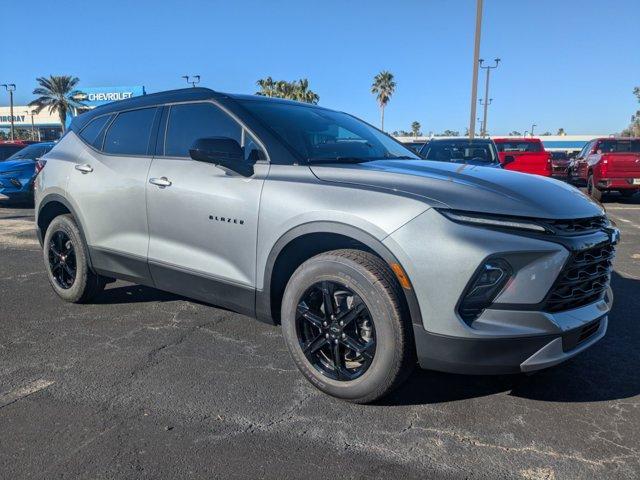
(508,159)
(221,151)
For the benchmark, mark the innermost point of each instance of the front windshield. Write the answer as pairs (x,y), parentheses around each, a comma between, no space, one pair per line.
(320,135)
(30,152)
(461,152)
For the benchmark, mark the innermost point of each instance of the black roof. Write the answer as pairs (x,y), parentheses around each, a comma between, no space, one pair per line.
(171,96)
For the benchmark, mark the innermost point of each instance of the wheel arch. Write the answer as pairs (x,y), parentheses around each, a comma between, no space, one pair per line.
(50,207)
(303,242)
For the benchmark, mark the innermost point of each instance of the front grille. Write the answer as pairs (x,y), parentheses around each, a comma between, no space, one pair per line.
(578,226)
(583,280)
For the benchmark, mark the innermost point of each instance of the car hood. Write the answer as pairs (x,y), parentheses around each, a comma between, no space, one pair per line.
(467,187)
(9,165)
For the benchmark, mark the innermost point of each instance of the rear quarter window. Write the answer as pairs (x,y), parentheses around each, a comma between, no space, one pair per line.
(92,132)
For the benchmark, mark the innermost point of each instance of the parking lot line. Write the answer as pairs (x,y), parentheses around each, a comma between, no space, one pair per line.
(25,391)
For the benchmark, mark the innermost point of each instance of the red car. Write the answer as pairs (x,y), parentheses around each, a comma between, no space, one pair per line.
(524,155)
(606,164)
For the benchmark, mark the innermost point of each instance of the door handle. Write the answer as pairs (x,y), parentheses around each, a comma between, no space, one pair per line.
(160,182)
(86,168)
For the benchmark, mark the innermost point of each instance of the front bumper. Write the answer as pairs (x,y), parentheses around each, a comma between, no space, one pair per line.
(495,356)
(514,335)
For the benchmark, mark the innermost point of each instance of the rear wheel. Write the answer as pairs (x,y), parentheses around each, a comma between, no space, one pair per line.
(628,193)
(344,324)
(592,190)
(66,260)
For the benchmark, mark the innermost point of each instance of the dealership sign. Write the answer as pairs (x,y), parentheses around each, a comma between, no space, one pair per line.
(7,118)
(93,97)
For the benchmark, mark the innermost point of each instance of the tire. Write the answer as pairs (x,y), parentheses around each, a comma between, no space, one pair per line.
(378,296)
(592,190)
(63,239)
(628,193)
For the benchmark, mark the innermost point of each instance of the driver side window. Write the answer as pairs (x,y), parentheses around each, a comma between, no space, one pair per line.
(191,121)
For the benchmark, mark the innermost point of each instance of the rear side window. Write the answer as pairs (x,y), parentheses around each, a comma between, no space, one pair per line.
(619,146)
(92,132)
(519,146)
(191,121)
(130,132)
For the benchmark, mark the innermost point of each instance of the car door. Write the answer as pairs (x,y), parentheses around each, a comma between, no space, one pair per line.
(108,188)
(203,219)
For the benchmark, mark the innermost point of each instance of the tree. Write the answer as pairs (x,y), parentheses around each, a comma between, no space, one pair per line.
(448,133)
(296,90)
(546,134)
(633,130)
(561,132)
(58,94)
(383,87)
(515,133)
(415,128)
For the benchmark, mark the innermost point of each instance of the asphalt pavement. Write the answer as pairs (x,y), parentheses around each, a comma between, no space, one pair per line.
(144,384)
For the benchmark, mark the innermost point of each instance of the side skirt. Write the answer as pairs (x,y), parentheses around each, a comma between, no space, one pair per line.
(170,278)
(238,298)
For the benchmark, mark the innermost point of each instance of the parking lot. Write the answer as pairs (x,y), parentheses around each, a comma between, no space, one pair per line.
(143,384)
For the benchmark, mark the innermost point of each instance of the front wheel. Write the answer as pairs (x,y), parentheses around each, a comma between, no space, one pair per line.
(344,323)
(66,260)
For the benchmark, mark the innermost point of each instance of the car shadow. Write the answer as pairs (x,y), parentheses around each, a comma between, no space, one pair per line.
(606,371)
(132,293)
(615,197)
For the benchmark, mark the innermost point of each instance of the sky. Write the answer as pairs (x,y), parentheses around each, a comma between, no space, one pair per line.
(568,64)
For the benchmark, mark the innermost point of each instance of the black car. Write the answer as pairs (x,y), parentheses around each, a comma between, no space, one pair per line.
(479,151)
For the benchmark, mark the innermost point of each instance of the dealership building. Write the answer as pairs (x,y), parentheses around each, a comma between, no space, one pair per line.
(46,126)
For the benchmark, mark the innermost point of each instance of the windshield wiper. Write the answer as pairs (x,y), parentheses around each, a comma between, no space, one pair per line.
(339,160)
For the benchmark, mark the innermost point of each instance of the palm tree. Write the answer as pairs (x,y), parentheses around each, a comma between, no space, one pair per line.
(383,86)
(296,90)
(561,131)
(415,128)
(303,93)
(58,94)
(267,87)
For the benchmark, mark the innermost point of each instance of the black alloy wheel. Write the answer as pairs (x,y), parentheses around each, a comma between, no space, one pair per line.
(335,331)
(62,259)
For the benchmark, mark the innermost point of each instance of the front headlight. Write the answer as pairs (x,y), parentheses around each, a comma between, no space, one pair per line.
(488,220)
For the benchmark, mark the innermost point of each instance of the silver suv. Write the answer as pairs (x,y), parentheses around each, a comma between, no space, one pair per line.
(370,257)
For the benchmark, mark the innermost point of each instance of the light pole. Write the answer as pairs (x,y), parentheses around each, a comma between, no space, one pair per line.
(10,87)
(532,127)
(474,80)
(193,80)
(33,127)
(483,128)
(525,133)
(488,68)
